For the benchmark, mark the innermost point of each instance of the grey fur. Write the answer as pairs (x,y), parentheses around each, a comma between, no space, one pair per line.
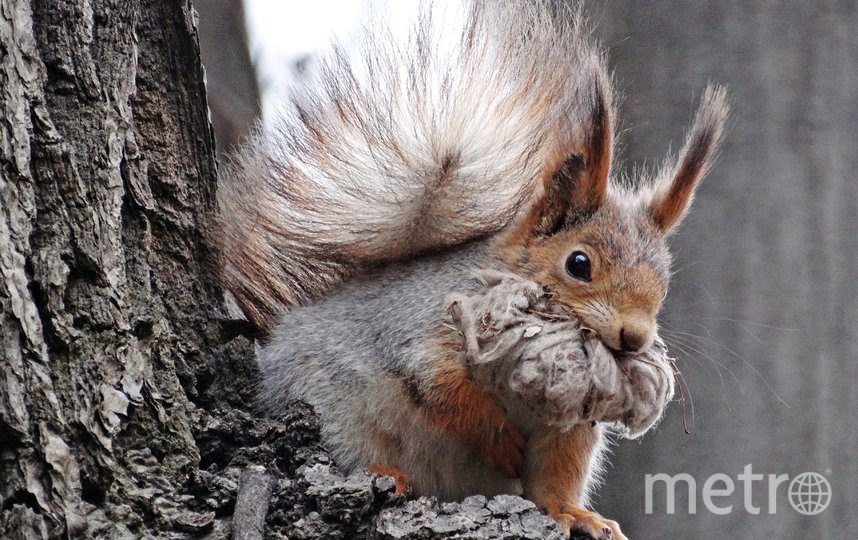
(353,354)
(348,355)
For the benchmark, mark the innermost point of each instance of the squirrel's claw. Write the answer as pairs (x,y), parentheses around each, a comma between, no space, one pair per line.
(583,524)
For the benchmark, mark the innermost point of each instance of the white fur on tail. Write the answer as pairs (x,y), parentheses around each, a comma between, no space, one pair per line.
(422,140)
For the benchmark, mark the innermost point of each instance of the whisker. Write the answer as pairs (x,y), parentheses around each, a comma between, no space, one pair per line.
(738,356)
(683,268)
(680,380)
(686,341)
(674,342)
(676,345)
(740,322)
(653,364)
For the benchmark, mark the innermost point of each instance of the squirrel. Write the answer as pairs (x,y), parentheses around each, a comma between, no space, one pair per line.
(482,143)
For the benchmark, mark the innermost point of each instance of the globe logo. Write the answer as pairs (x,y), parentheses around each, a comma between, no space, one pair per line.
(809,493)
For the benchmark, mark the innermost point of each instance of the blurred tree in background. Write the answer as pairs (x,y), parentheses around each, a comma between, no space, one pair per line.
(230,75)
(763,307)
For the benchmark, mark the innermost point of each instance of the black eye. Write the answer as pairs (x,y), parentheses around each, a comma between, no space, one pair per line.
(578,266)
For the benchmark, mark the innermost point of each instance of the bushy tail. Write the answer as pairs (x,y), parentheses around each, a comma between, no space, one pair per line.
(419,141)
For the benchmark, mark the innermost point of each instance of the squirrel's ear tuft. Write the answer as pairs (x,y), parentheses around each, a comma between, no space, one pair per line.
(675,190)
(597,141)
(577,184)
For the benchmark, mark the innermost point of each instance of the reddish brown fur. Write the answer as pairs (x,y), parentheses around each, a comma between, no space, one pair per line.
(591,523)
(640,284)
(557,468)
(462,408)
(670,210)
(630,268)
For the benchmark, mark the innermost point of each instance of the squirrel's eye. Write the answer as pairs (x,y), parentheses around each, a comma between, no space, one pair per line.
(578,266)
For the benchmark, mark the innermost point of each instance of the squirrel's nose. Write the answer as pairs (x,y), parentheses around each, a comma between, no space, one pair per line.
(632,341)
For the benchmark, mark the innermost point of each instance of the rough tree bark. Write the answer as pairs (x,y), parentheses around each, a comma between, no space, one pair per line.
(125,396)
(107,177)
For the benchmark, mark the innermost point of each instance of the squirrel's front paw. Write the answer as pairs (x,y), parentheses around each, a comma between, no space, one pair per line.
(583,524)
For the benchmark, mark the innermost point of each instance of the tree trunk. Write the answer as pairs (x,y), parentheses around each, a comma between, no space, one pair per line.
(125,396)
(107,179)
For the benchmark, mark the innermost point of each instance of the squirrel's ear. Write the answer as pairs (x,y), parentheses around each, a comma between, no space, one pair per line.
(597,145)
(579,183)
(674,192)
(554,210)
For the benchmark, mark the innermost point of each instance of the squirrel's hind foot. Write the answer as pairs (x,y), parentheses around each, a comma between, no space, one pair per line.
(403,482)
(583,524)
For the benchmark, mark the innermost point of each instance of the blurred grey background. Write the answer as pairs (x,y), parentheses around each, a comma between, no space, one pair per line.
(763,306)
(763,313)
